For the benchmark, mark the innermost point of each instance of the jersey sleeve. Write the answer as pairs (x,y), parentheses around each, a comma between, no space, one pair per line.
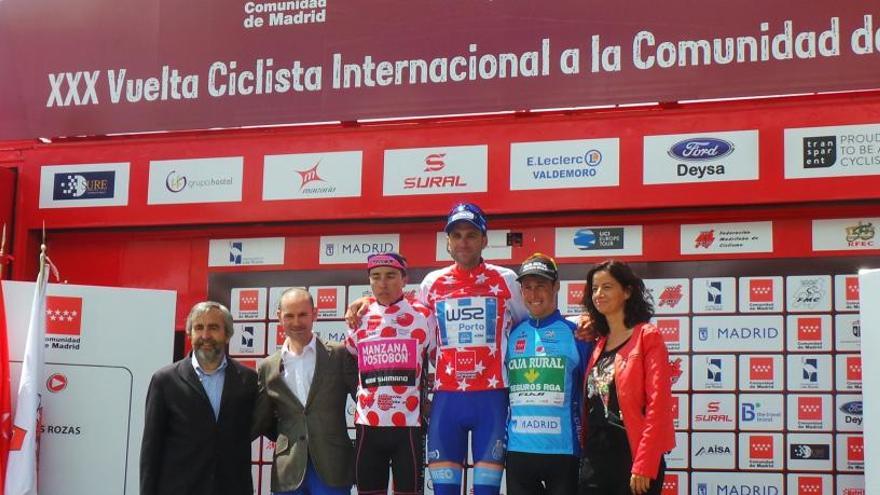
(518,311)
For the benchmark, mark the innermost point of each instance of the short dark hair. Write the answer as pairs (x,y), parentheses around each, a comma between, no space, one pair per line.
(203,307)
(638,307)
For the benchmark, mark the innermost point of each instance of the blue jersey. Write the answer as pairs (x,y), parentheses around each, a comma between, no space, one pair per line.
(545,366)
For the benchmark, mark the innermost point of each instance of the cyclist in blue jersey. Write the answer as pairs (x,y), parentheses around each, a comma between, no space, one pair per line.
(545,364)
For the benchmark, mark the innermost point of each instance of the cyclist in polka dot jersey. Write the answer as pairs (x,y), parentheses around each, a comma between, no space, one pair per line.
(391,345)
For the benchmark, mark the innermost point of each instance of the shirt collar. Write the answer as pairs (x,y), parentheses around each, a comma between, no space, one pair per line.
(196,366)
(287,354)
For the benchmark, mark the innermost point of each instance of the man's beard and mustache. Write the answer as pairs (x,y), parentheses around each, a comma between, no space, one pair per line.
(208,351)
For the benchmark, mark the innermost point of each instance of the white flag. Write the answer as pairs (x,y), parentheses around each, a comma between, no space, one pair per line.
(21,470)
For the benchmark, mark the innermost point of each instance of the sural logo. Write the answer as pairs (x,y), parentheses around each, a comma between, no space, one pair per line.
(669,329)
(63,315)
(714,415)
(761,290)
(809,408)
(809,329)
(704,239)
(852,289)
(855,449)
(670,296)
(575,293)
(670,484)
(761,447)
(326,299)
(434,162)
(854,368)
(761,368)
(809,485)
(248,300)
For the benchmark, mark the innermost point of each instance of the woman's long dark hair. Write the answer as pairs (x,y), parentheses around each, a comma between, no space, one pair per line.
(637,309)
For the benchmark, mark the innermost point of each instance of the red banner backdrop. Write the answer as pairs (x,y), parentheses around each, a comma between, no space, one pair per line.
(99,66)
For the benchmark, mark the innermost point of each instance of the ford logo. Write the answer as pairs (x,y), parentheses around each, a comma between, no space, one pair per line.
(852,407)
(703,148)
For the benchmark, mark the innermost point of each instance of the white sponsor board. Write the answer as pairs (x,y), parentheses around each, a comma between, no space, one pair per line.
(274,299)
(807,372)
(713,372)
(846,292)
(848,372)
(248,339)
(704,157)
(761,451)
(761,412)
(837,151)
(847,332)
(714,295)
(809,484)
(679,457)
(675,483)
(345,249)
(241,252)
(681,372)
(848,412)
(760,294)
(718,238)
(571,294)
(329,300)
(670,295)
(808,333)
(808,293)
(496,249)
(564,164)
(743,333)
(440,170)
(675,331)
(810,412)
(84,185)
(736,484)
(810,451)
(598,241)
(331,331)
(92,434)
(854,484)
(681,411)
(760,372)
(248,303)
(198,180)
(713,450)
(312,175)
(713,412)
(846,234)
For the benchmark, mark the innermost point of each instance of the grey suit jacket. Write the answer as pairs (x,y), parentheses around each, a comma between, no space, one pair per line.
(315,430)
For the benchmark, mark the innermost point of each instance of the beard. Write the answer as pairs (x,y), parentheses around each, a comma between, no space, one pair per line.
(211,355)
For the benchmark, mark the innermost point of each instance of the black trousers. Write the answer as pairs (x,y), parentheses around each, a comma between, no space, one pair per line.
(541,474)
(607,466)
(400,446)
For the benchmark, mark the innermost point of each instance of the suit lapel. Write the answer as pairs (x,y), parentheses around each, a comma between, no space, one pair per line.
(188,374)
(322,361)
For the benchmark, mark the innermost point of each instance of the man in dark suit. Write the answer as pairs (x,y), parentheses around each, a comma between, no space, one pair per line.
(301,403)
(199,411)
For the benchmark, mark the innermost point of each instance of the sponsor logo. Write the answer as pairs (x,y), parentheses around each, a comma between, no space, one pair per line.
(855,449)
(701,149)
(712,450)
(520,346)
(854,368)
(809,330)
(714,292)
(575,294)
(820,151)
(809,485)
(761,369)
(670,329)
(853,491)
(176,182)
(84,185)
(675,370)
(249,300)
(761,290)
(810,294)
(247,338)
(309,176)
(536,425)
(670,484)
(592,239)
(809,411)
(714,370)
(810,370)
(759,413)
(200,180)
(702,489)
(713,414)
(236,249)
(435,162)
(860,235)
(326,299)
(355,248)
(241,252)
(564,164)
(465,361)
(696,158)
(852,290)
(853,408)
(704,239)
(670,296)
(63,322)
(810,451)
(761,449)
(56,383)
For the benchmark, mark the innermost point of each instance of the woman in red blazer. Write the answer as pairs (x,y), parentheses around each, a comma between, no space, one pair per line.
(627,396)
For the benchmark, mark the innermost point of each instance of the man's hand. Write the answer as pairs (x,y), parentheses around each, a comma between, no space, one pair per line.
(639,484)
(356,311)
(584,330)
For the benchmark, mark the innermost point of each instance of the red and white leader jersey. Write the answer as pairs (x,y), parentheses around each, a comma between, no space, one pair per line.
(390,345)
(475,311)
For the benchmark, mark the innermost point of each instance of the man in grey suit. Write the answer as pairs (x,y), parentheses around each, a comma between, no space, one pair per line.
(301,404)
(196,428)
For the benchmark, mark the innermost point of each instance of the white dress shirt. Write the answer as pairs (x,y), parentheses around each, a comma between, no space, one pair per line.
(299,369)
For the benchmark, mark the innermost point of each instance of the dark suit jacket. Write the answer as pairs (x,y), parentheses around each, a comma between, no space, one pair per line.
(185,450)
(315,430)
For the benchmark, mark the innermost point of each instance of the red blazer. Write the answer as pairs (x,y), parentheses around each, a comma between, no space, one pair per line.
(642,375)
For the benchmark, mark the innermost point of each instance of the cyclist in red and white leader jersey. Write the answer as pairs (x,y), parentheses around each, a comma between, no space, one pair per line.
(391,345)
